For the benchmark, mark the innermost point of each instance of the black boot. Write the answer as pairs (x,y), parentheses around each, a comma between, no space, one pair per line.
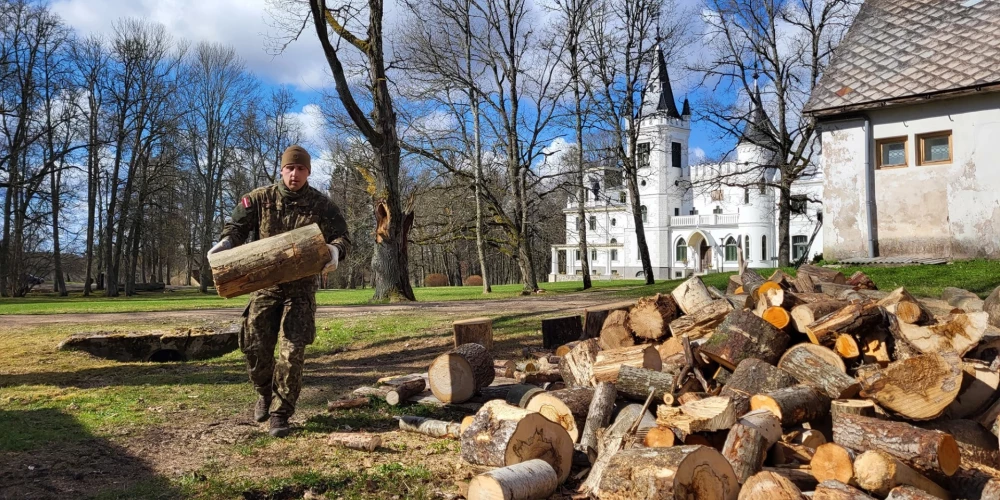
(280,426)
(262,410)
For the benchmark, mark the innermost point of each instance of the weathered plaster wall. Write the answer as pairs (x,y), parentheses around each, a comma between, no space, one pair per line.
(844,221)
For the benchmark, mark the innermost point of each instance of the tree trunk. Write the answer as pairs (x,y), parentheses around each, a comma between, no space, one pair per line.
(474,331)
(531,480)
(58,281)
(702,322)
(675,472)
(456,376)
(918,388)
(879,472)
(748,441)
(812,369)
(926,450)
(742,335)
(793,405)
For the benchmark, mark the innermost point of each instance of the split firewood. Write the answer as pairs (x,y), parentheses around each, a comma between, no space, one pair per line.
(530,480)
(770,486)
(650,318)
(958,332)
(593,317)
(558,331)
(805,363)
(804,283)
(801,478)
(738,301)
(402,392)
(906,308)
(430,427)
(577,364)
(564,349)
(979,389)
(701,323)
(856,317)
(598,414)
(691,397)
(962,299)
(822,274)
(455,376)
(709,414)
(566,407)
(751,377)
(976,445)
(748,442)
(836,490)
(861,281)
(608,362)
(631,419)
(806,437)
(502,435)
(674,472)
(979,482)
(781,278)
(785,454)
(928,451)
(875,349)
(918,388)
(355,440)
(270,261)
(669,348)
(833,461)
(616,333)
(806,314)
(861,407)
(346,404)
(879,472)
(504,368)
(474,331)
(742,335)
(635,383)
(793,405)
(659,437)
(733,283)
(691,295)
(847,347)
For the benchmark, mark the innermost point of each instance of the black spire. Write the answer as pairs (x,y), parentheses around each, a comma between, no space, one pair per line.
(756,131)
(686,111)
(666,102)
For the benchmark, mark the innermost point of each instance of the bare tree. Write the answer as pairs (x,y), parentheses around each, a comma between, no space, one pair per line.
(784,46)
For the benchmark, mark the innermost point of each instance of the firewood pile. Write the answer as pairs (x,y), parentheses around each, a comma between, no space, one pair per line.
(773,389)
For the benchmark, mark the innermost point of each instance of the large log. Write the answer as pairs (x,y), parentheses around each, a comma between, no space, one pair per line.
(598,414)
(976,445)
(822,274)
(748,441)
(879,472)
(558,331)
(531,480)
(805,314)
(836,490)
(502,435)
(703,415)
(790,454)
(701,323)
(751,283)
(854,318)
(635,383)
(430,427)
(770,486)
(861,281)
(801,478)
(519,394)
(962,299)
(802,362)
(456,376)
(691,295)
(751,377)
(832,461)
(742,335)
(607,363)
(282,258)
(566,407)
(593,317)
(906,308)
(650,318)
(928,451)
(474,331)
(958,332)
(616,332)
(918,388)
(577,365)
(676,472)
(803,283)
(907,492)
(793,405)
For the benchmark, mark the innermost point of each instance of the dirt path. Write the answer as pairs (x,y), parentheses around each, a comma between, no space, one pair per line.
(550,304)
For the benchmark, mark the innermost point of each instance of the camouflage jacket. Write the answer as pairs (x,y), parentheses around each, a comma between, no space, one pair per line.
(275,209)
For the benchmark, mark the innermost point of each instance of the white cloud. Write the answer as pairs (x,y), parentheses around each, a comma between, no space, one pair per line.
(313,124)
(698,156)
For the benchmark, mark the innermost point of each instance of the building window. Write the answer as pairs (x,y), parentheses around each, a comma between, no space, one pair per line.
(643,209)
(614,221)
(934,148)
(614,255)
(675,153)
(677,211)
(730,249)
(642,154)
(579,223)
(592,223)
(797,204)
(799,246)
(593,255)
(577,253)
(763,247)
(642,183)
(682,250)
(614,241)
(890,152)
(746,247)
(717,210)
(746,196)
(621,196)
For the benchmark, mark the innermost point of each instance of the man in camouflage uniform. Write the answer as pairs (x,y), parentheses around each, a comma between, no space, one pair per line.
(289,308)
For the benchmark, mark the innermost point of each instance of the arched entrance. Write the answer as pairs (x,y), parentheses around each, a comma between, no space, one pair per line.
(701,247)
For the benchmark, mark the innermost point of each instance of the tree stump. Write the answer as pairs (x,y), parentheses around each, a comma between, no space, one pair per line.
(558,331)
(474,331)
(675,472)
(456,376)
(282,258)
(742,335)
(650,318)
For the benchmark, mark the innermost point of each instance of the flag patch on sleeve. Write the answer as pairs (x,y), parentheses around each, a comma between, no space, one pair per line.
(246,202)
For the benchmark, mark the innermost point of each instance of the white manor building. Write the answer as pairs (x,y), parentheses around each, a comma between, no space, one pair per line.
(692,224)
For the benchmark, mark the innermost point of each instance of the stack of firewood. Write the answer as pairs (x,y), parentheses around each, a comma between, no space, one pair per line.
(776,386)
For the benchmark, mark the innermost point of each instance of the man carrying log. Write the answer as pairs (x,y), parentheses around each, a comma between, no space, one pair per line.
(289,308)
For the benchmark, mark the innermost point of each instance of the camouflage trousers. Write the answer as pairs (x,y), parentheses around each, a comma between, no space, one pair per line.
(269,318)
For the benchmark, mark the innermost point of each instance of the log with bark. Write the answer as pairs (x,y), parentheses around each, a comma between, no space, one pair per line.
(404,391)
(861,407)
(804,283)
(806,314)
(708,414)
(991,306)
(566,348)
(282,258)
(608,362)
(566,407)
(979,482)
(530,480)
(962,299)
(598,414)
(751,377)
(790,454)
(635,383)
(801,478)
(617,436)
(810,367)
(832,461)
(879,472)
(355,440)
(650,318)
(702,322)
(616,332)
(751,283)
(906,308)
(918,388)
(770,486)
(906,492)
(577,365)
(430,427)
(691,295)
(345,404)
(793,405)
(742,335)
(539,378)
(675,472)
(503,435)
(822,274)
(928,451)
(474,331)
(593,317)
(855,318)
(504,368)
(558,331)
(836,490)
(861,281)
(976,445)
(456,376)
(748,442)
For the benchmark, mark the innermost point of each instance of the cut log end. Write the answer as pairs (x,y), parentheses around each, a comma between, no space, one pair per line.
(528,480)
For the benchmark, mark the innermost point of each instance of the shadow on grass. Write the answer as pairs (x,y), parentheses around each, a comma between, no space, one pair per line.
(134,374)
(46,453)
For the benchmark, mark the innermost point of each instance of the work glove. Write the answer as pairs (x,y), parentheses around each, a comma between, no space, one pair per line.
(221,246)
(334,260)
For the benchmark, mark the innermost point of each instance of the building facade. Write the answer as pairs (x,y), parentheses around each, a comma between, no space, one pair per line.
(696,218)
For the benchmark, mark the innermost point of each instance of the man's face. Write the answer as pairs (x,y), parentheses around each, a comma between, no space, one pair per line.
(294,176)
